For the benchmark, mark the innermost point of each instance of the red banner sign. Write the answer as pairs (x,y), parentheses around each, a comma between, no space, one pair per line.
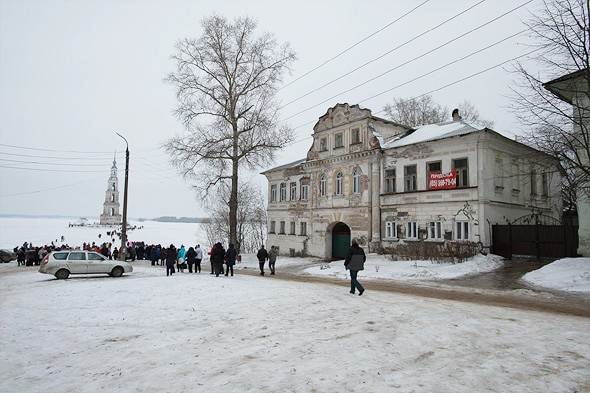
(442,181)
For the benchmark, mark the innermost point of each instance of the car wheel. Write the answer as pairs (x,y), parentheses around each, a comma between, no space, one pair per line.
(117,271)
(62,274)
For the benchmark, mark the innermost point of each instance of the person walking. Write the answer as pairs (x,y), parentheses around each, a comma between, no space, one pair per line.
(211,259)
(198,258)
(217,256)
(190,259)
(170,260)
(230,259)
(355,261)
(272,258)
(262,256)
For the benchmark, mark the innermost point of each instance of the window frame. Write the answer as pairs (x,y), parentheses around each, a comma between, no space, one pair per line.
(283,192)
(355,136)
(390,181)
(411,179)
(338,140)
(412,229)
(434,228)
(304,190)
(272,227)
(356,181)
(323,185)
(323,144)
(293,191)
(338,183)
(390,230)
(281,227)
(461,232)
(303,228)
(292,228)
(273,192)
(462,172)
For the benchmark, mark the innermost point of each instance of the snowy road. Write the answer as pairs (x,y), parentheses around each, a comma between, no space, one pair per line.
(150,333)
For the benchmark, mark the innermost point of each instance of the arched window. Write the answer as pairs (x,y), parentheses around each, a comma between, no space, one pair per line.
(339,183)
(323,185)
(114,188)
(112,211)
(356,181)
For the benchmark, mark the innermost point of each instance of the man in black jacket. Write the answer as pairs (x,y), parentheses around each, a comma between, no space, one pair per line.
(262,257)
(355,261)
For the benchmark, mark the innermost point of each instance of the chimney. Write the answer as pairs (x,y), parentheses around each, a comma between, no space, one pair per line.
(456,116)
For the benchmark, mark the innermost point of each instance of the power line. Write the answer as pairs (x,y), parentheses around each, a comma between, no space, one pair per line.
(49,163)
(48,189)
(404,83)
(355,44)
(398,47)
(431,91)
(61,151)
(48,170)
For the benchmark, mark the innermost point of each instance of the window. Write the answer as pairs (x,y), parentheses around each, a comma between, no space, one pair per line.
(390,180)
(462,172)
(533,182)
(292,232)
(498,174)
(339,183)
(544,185)
(283,192)
(273,193)
(304,193)
(293,191)
(303,230)
(77,256)
(390,230)
(272,227)
(323,185)
(515,176)
(435,230)
(112,197)
(410,178)
(114,187)
(356,181)
(433,167)
(412,230)
(323,144)
(112,211)
(282,227)
(95,257)
(338,142)
(355,136)
(462,230)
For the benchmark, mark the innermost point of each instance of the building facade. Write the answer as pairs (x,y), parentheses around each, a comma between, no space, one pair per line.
(387,184)
(110,211)
(574,89)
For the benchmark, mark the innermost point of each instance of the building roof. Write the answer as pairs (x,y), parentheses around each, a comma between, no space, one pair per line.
(293,164)
(432,132)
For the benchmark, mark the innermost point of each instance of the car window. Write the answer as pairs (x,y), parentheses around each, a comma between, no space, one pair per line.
(77,256)
(95,257)
(60,255)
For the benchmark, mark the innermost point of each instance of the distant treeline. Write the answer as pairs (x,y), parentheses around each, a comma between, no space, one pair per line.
(181,219)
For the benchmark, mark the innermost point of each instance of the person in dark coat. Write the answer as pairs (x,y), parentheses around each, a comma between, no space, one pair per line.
(262,256)
(230,259)
(170,260)
(355,261)
(217,256)
(191,257)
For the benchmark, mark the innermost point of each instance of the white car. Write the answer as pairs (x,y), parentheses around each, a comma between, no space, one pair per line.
(63,263)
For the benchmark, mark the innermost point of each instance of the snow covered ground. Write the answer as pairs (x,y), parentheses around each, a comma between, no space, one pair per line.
(146,332)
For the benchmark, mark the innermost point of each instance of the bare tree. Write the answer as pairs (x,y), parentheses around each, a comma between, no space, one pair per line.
(561,35)
(415,112)
(251,217)
(226,82)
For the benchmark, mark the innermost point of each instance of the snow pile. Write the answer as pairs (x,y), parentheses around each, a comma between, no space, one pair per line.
(568,274)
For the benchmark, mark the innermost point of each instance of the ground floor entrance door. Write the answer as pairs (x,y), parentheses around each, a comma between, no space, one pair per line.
(340,241)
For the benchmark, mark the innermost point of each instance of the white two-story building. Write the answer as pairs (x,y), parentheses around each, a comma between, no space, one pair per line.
(386,184)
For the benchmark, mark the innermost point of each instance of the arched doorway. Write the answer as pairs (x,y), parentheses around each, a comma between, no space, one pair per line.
(340,240)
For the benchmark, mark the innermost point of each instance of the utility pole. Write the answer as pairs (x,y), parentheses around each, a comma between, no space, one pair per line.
(123,249)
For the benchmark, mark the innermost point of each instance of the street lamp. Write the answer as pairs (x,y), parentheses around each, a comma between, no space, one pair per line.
(123,252)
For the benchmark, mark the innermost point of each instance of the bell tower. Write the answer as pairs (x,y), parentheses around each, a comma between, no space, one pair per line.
(110,212)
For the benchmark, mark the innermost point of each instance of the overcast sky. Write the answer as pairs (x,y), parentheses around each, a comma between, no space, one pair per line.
(73,73)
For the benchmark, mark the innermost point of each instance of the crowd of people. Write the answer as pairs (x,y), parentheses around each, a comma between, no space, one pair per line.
(179,260)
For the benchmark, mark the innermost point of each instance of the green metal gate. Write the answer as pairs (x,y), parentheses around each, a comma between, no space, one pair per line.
(340,241)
